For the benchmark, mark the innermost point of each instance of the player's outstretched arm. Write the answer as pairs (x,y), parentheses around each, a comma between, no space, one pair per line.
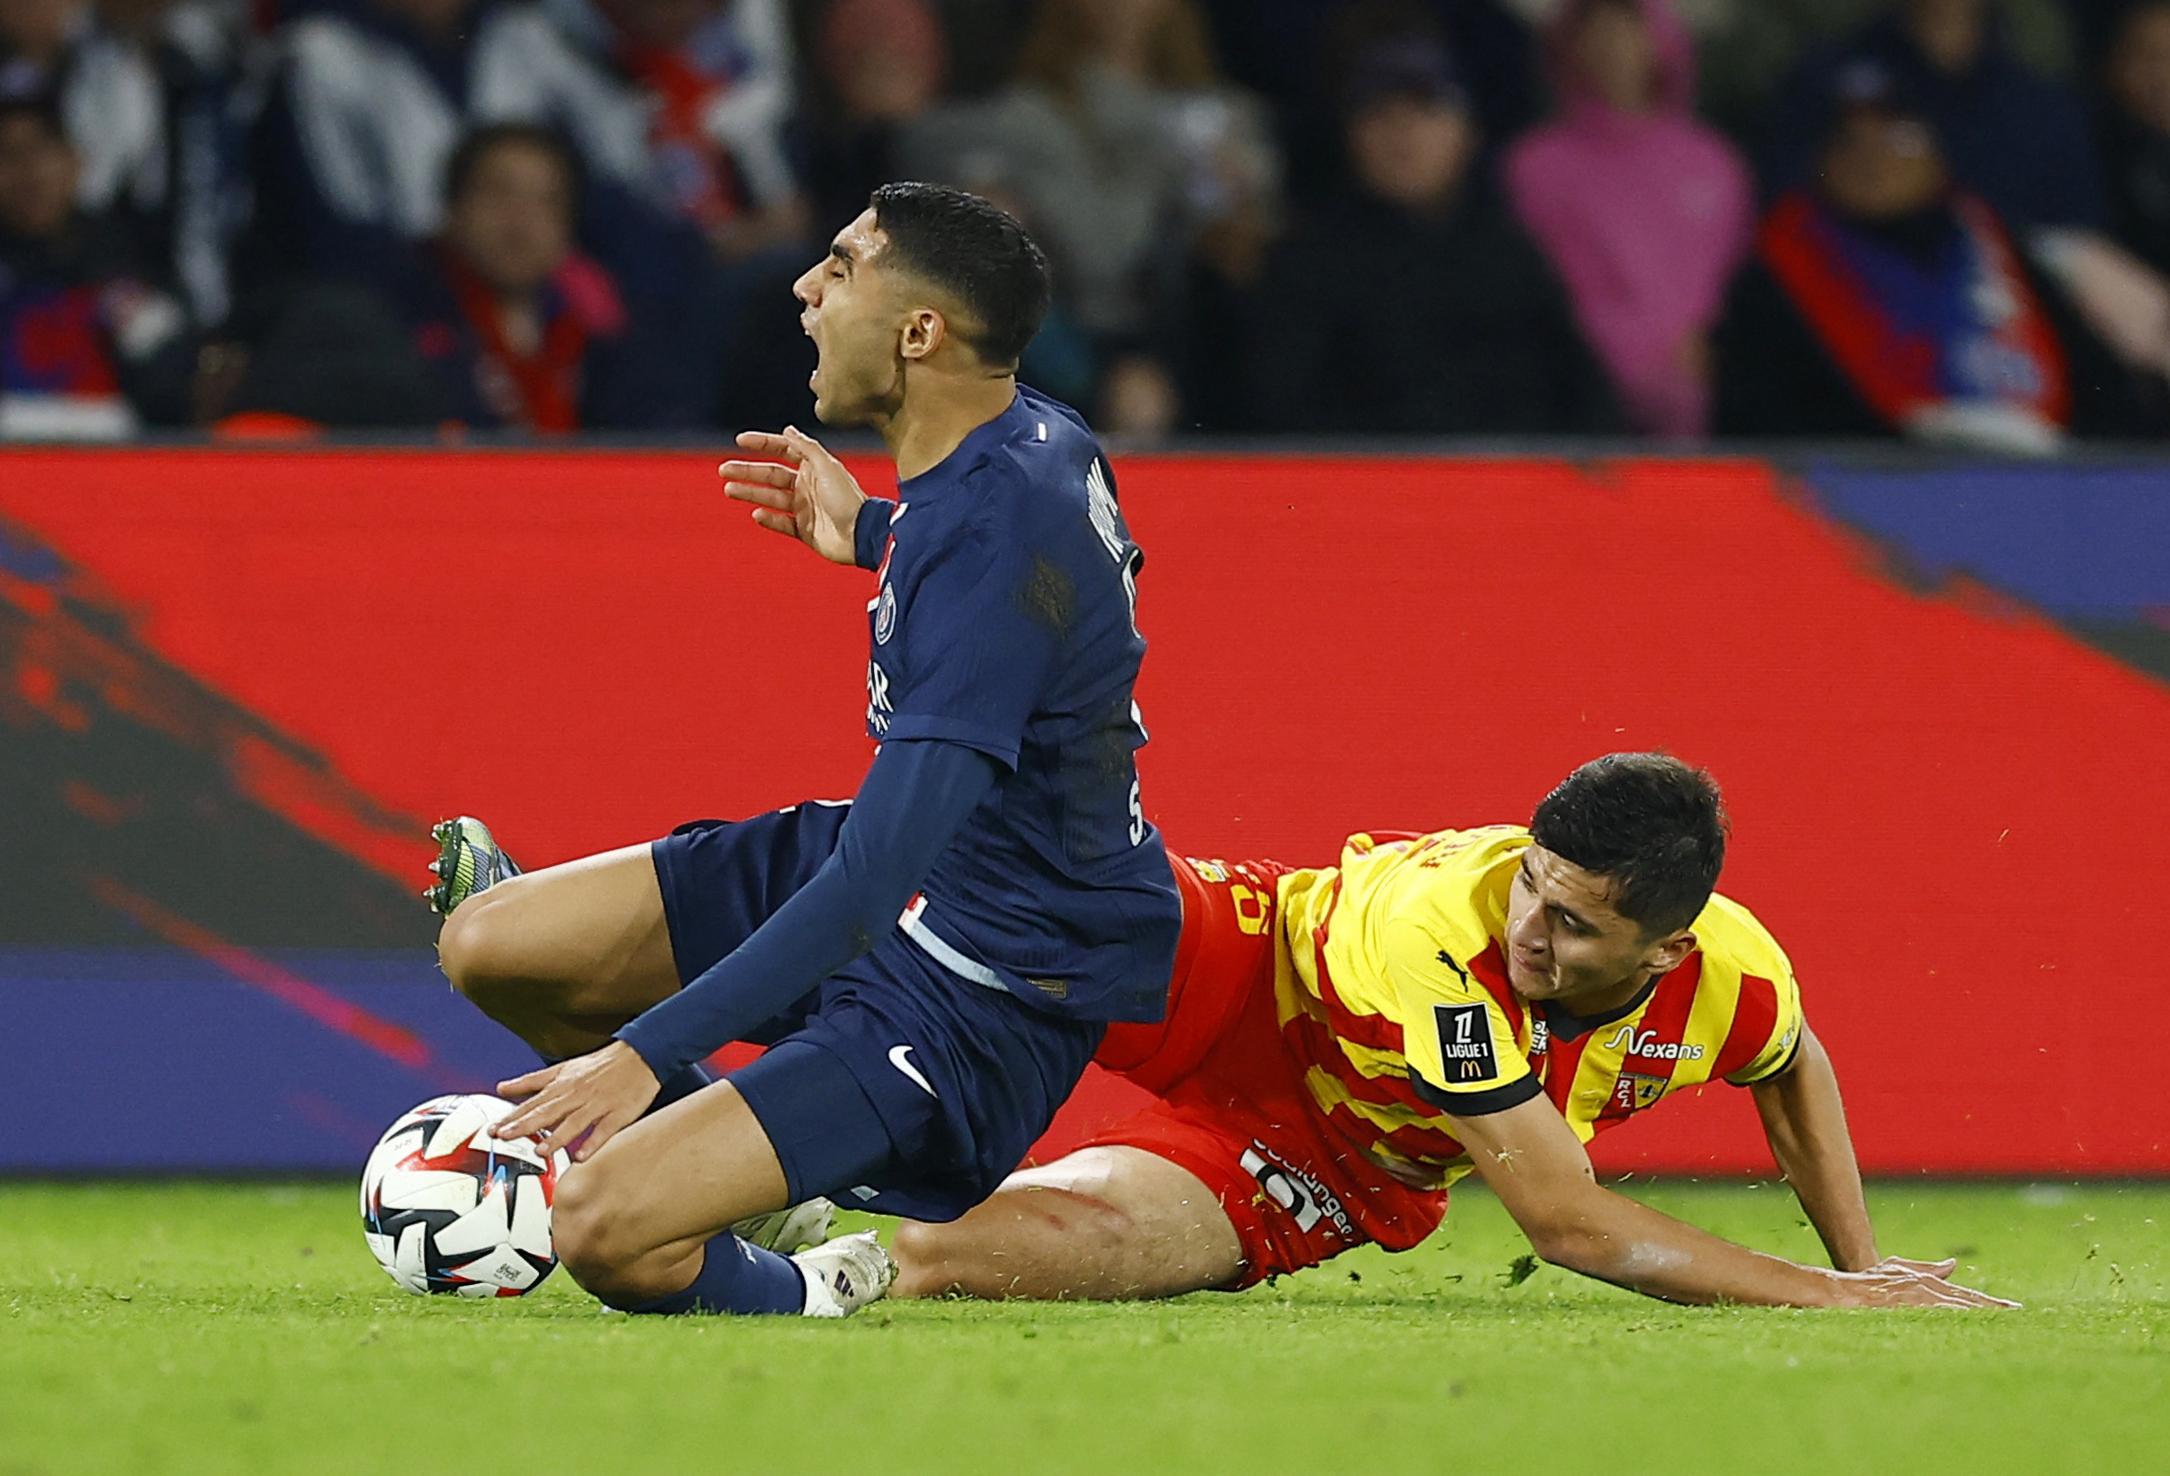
(1532,1160)
(1805,1123)
(910,804)
(803,492)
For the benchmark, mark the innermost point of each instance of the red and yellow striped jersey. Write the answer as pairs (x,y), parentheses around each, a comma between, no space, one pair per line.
(1394,974)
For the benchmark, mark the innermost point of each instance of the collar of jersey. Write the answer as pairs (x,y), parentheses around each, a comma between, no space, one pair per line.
(981,439)
(1562,1023)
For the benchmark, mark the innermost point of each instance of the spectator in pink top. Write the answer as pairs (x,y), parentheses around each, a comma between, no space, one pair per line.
(1644,211)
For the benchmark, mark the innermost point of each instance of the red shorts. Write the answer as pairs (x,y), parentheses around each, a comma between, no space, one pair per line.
(1233,1107)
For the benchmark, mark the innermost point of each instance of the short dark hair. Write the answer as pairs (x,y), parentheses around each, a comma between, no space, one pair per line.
(41,106)
(477,146)
(1653,825)
(975,251)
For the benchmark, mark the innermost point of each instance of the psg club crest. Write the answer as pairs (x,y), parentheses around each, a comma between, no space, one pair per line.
(885,615)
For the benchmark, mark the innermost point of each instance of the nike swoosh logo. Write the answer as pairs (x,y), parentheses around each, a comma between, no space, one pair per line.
(896,1059)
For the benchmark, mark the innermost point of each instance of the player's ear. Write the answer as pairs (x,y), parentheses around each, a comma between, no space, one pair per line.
(1666,953)
(924,332)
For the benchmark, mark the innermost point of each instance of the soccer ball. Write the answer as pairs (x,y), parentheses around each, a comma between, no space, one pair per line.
(446,1207)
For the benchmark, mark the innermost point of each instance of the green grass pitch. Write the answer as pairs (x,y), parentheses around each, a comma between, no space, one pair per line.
(218,1328)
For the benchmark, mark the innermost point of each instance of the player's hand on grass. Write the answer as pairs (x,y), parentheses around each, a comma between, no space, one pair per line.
(588,1098)
(1896,1282)
(804,493)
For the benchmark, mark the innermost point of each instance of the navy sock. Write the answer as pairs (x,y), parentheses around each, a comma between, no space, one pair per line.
(737,1277)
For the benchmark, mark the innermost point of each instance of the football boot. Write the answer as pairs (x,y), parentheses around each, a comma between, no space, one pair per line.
(468,861)
(791,1230)
(844,1274)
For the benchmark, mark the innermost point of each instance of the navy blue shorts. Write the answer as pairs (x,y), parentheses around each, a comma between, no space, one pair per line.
(897,1086)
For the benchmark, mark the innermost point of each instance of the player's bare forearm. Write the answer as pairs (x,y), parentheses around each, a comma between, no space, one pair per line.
(1613,1238)
(1805,1122)
(1545,1181)
(1531,1159)
(1634,1246)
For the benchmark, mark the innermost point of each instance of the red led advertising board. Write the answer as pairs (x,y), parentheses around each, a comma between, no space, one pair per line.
(1950,811)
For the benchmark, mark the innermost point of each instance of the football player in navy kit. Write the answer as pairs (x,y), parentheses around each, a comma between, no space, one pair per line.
(931,965)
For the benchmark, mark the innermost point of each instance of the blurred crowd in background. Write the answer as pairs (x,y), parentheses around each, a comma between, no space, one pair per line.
(1943,220)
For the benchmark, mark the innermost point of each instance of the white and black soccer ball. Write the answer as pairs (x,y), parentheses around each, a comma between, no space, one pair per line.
(447,1207)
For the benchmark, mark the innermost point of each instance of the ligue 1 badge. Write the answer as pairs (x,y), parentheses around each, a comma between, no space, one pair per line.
(885,615)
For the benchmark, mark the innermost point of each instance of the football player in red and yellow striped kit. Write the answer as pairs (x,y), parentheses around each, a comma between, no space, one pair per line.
(1342,1044)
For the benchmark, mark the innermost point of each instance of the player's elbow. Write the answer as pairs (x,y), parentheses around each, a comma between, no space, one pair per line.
(1554,1242)
(1563,1238)
(863,900)
(1605,1250)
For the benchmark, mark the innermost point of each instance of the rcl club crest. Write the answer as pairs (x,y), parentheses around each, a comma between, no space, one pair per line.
(1636,1090)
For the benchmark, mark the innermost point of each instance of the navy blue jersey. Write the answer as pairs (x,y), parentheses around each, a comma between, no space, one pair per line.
(1004,619)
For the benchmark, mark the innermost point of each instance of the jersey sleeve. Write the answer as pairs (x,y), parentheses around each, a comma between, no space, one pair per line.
(980,630)
(870,531)
(1461,1048)
(1766,1026)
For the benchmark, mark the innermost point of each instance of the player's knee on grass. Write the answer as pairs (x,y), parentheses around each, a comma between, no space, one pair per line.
(598,1243)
